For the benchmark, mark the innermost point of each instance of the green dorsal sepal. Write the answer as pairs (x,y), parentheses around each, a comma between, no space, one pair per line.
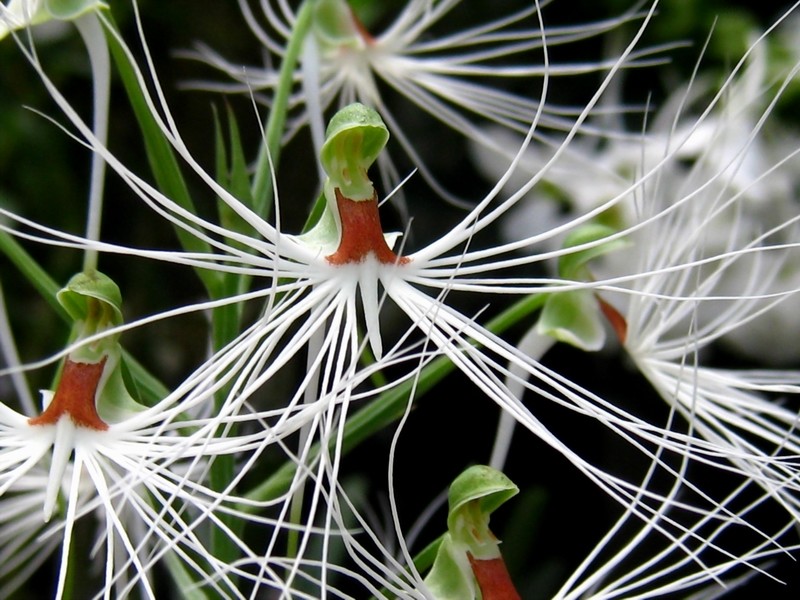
(574,265)
(354,139)
(94,302)
(334,24)
(474,496)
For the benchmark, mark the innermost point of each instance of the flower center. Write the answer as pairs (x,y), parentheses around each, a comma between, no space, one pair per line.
(362,233)
(75,396)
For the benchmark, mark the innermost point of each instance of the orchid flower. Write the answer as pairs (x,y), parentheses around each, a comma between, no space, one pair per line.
(723,261)
(736,142)
(446,77)
(672,319)
(324,286)
(709,268)
(95,454)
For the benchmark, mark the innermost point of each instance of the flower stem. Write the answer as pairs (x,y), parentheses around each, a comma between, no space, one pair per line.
(535,345)
(269,155)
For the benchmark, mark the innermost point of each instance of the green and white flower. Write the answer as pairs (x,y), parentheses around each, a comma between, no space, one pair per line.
(134,474)
(460,79)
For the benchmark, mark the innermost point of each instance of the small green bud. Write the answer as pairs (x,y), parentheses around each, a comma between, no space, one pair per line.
(473,496)
(94,302)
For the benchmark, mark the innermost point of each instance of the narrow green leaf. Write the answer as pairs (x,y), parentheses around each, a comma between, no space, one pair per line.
(161,157)
(147,389)
(233,175)
(220,153)
(262,180)
(35,274)
(186,585)
(239,184)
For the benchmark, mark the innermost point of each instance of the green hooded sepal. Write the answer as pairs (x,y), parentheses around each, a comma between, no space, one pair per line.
(334,24)
(573,265)
(92,293)
(94,302)
(354,139)
(473,497)
(573,317)
(66,10)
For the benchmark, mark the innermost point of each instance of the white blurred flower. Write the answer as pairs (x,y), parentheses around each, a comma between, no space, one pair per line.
(458,78)
(673,317)
(712,263)
(732,146)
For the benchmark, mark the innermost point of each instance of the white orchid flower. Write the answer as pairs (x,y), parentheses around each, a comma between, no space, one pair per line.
(135,474)
(458,79)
